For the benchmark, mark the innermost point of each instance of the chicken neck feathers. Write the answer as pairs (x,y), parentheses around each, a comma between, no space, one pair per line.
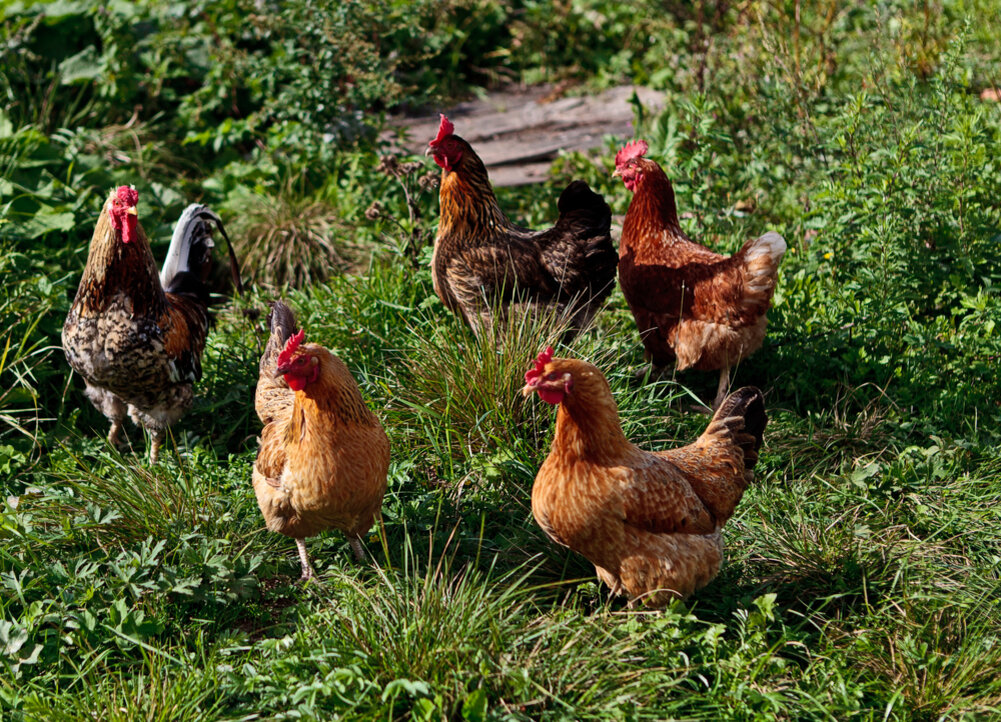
(114,267)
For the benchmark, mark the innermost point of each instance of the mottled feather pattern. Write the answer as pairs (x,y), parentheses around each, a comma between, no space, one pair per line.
(482,260)
(693,307)
(649,521)
(136,346)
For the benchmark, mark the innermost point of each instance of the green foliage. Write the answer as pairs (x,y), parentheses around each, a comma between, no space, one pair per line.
(861,579)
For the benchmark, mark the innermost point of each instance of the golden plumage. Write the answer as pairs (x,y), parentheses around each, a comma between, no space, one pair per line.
(649,521)
(323,455)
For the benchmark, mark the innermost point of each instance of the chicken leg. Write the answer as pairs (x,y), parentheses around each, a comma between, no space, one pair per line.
(307,568)
(115,431)
(156,441)
(357,548)
(724,385)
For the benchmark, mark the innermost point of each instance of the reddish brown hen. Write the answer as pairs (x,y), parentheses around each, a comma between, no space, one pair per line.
(323,454)
(692,306)
(137,336)
(484,263)
(649,521)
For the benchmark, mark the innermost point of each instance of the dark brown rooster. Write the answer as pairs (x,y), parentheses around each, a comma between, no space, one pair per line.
(135,335)
(483,263)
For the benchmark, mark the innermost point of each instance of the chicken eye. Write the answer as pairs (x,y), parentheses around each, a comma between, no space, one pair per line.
(552,376)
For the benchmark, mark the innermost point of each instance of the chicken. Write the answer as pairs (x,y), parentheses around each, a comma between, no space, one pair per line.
(323,454)
(692,306)
(135,336)
(483,263)
(649,521)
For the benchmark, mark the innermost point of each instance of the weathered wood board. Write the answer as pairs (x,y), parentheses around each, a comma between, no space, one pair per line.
(519,133)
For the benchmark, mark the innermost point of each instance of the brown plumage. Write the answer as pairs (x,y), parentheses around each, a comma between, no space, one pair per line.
(482,262)
(323,454)
(693,307)
(137,336)
(649,521)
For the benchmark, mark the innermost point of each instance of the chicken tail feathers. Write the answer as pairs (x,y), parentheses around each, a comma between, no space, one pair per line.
(282,325)
(189,257)
(583,260)
(719,466)
(742,418)
(578,204)
(762,256)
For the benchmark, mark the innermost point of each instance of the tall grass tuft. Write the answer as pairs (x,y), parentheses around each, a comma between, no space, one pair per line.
(289,236)
(461,395)
(444,636)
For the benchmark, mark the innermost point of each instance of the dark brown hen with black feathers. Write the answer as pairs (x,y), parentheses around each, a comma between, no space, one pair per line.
(483,263)
(138,341)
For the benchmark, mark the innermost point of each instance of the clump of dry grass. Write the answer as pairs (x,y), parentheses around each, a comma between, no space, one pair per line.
(290,237)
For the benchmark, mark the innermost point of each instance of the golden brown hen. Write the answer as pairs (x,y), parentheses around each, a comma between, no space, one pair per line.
(649,521)
(137,336)
(323,454)
(692,306)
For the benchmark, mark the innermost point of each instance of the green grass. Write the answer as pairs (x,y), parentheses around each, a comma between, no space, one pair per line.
(861,579)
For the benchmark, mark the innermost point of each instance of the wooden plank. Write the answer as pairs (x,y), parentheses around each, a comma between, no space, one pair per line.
(519,133)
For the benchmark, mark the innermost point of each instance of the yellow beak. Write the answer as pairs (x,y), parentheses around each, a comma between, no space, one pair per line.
(132,211)
(528,390)
(616,173)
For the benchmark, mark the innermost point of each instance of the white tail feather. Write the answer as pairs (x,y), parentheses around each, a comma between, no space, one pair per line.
(771,244)
(192,223)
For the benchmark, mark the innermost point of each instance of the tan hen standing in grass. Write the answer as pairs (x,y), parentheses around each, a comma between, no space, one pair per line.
(323,454)
(649,521)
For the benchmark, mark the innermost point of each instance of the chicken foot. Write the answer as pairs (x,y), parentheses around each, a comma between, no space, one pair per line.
(307,568)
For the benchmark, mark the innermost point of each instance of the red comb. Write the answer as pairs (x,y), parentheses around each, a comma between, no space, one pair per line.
(445,129)
(636,149)
(291,346)
(128,196)
(540,363)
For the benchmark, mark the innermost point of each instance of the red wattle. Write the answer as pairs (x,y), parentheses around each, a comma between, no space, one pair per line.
(129,231)
(551,396)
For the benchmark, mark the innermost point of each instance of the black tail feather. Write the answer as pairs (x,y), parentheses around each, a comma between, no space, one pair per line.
(748,404)
(189,261)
